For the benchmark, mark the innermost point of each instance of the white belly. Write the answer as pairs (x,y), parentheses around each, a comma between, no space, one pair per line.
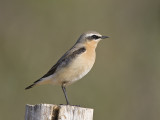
(73,72)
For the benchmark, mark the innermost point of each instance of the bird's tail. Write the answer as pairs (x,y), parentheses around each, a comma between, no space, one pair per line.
(40,81)
(30,86)
(35,83)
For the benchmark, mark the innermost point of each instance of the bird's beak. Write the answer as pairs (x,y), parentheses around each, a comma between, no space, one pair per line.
(104,37)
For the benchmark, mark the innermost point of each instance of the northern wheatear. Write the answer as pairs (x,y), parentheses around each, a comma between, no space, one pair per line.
(74,64)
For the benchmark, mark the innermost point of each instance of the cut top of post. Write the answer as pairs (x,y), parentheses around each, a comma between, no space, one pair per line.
(57,112)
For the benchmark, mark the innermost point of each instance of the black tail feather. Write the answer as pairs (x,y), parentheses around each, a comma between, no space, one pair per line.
(30,86)
(33,84)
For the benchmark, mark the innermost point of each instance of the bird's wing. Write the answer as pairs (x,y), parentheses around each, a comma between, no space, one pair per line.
(63,61)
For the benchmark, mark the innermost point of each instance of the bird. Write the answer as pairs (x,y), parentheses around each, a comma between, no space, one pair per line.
(74,64)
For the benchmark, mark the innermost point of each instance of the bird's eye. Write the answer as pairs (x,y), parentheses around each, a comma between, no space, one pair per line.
(95,37)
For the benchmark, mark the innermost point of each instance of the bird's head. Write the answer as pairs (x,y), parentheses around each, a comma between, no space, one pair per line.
(91,37)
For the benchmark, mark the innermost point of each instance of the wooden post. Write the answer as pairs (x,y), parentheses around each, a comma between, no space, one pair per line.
(57,112)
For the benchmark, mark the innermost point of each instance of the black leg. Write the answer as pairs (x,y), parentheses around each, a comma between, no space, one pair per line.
(64,91)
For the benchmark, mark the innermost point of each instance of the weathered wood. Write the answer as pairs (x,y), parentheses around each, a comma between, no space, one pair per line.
(68,112)
(57,112)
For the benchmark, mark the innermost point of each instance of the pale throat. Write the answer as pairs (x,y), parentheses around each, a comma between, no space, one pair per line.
(92,44)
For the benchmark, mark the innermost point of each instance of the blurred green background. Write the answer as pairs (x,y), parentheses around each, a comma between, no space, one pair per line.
(124,83)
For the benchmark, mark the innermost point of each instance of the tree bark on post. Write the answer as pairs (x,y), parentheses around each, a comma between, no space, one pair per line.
(57,112)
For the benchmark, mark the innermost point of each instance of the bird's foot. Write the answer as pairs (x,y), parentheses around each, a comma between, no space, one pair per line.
(76,105)
(71,105)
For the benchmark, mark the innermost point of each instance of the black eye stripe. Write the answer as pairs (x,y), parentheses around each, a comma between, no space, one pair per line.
(95,37)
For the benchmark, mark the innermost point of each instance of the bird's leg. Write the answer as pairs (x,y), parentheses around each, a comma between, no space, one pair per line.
(64,91)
